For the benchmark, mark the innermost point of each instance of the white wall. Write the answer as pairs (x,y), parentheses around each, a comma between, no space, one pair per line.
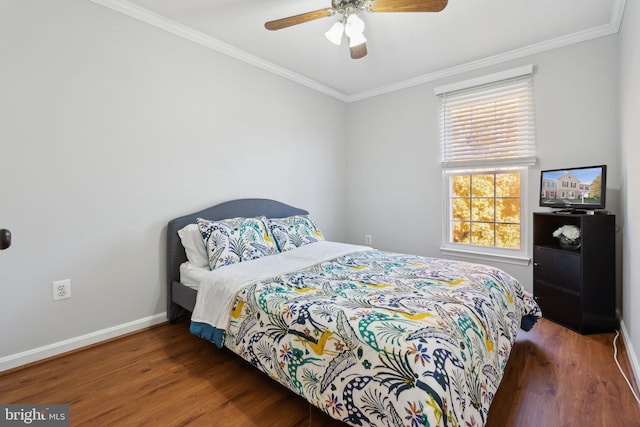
(394,175)
(109,128)
(630,194)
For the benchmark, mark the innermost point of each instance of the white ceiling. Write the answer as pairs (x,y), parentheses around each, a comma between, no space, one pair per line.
(404,48)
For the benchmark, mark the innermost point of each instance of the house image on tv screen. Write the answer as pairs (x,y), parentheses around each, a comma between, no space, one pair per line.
(562,186)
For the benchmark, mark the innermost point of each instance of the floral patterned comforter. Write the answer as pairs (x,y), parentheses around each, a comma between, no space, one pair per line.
(385,339)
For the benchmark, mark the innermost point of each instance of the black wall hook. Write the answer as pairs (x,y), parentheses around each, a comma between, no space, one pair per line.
(5,238)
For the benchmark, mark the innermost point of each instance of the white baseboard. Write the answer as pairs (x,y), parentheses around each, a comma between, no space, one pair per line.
(29,356)
(633,358)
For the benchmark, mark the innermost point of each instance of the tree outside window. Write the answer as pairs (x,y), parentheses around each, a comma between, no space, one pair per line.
(485,209)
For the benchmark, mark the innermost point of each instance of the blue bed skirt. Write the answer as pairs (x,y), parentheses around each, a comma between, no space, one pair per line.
(208,332)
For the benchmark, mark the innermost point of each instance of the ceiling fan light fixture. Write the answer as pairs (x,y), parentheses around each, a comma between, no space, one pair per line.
(354,29)
(334,35)
(357,40)
(350,24)
(354,25)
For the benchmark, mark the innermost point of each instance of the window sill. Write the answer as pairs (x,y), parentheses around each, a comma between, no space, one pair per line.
(514,259)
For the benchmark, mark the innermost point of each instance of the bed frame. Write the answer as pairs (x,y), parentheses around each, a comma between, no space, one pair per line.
(180,298)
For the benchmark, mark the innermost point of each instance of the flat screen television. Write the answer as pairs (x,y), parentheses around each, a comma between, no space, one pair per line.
(574,189)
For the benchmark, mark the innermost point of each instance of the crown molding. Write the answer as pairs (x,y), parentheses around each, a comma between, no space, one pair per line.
(202,39)
(183,31)
(617,13)
(581,36)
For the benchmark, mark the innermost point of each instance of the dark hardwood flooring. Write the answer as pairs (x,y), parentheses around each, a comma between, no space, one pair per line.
(163,376)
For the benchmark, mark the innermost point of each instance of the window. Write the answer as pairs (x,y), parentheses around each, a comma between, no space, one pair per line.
(485,209)
(487,140)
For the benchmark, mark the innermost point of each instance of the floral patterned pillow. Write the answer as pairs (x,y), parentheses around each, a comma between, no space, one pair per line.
(235,240)
(294,231)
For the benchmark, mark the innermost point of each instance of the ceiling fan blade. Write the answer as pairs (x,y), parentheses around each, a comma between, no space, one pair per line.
(279,24)
(408,5)
(359,51)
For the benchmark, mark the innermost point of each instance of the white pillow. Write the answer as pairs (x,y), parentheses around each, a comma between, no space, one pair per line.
(194,245)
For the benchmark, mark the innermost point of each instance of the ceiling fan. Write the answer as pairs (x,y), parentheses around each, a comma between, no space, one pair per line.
(350,24)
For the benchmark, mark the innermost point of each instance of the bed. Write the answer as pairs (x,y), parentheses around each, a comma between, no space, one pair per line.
(369,337)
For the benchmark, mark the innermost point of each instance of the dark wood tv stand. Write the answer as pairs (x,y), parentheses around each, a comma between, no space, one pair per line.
(576,287)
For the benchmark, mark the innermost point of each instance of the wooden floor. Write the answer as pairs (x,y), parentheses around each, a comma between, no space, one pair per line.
(164,376)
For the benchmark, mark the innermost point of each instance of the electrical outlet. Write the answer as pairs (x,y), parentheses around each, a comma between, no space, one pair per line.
(61,289)
(367,239)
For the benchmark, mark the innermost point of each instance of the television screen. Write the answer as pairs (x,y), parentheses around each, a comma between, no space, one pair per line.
(581,188)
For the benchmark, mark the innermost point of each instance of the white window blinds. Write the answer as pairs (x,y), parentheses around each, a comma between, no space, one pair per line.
(488,121)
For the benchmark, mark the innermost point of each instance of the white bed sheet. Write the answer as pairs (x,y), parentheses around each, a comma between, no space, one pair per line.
(191,275)
(219,287)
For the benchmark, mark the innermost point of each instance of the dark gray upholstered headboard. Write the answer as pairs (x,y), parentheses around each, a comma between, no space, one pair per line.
(234,208)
